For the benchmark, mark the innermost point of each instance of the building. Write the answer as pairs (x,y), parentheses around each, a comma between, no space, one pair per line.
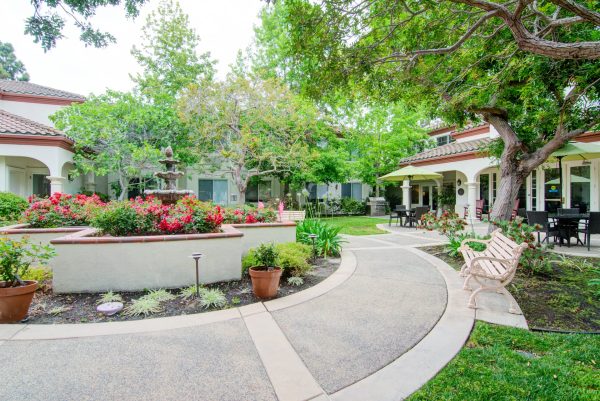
(36,158)
(460,157)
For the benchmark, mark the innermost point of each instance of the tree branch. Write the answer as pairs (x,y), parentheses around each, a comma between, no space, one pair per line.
(578,9)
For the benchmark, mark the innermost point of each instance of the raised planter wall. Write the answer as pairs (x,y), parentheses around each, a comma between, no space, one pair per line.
(258,233)
(89,263)
(41,236)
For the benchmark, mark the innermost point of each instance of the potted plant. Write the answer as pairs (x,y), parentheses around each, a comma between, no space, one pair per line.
(265,275)
(16,294)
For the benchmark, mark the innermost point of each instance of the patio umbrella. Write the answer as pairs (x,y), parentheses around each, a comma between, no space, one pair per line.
(574,178)
(410,173)
(573,151)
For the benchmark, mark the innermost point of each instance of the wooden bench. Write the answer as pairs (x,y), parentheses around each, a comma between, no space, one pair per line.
(293,215)
(493,268)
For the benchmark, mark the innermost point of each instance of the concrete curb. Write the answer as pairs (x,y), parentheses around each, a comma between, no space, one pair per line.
(413,369)
(14,332)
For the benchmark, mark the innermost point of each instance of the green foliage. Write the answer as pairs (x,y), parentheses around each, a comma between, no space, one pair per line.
(212,298)
(46,24)
(595,282)
(142,306)
(293,258)
(109,297)
(160,295)
(500,362)
(10,67)
(247,125)
(351,206)
(295,281)
(456,240)
(534,259)
(103,197)
(447,196)
(266,255)
(119,219)
(11,207)
(41,275)
(57,310)
(448,223)
(328,241)
(189,292)
(168,55)
(236,301)
(18,256)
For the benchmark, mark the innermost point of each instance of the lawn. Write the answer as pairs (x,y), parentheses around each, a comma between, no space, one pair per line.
(503,363)
(357,225)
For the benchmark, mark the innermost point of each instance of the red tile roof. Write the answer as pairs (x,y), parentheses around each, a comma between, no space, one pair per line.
(13,124)
(27,88)
(454,148)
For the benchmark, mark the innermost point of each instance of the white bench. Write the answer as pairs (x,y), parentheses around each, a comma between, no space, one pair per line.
(293,215)
(493,268)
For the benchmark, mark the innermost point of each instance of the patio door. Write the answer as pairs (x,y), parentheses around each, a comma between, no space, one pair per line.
(552,190)
(16,181)
(580,187)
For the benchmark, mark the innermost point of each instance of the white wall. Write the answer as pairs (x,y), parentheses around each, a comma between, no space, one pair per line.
(33,111)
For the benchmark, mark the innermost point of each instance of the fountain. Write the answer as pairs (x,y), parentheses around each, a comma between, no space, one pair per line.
(170,194)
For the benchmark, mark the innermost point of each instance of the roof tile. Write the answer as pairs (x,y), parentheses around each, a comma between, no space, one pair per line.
(450,149)
(13,124)
(27,88)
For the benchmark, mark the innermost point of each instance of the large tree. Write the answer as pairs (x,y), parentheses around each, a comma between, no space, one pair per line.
(49,18)
(464,60)
(248,126)
(11,67)
(169,55)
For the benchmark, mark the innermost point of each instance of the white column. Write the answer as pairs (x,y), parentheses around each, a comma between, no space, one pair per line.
(471,198)
(406,193)
(56,183)
(3,178)
(89,182)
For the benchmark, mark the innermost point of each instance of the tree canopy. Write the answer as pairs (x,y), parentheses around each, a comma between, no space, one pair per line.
(10,67)
(49,18)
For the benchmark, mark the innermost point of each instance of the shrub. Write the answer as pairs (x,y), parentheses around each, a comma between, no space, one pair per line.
(266,255)
(18,256)
(110,297)
(328,241)
(295,281)
(293,258)
(61,210)
(142,306)
(214,298)
(353,206)
(11,207)
(449,223)
(533,258)
(39,274)
(455,241)
(248,215)
(103,197)
(160,295)
(148,216)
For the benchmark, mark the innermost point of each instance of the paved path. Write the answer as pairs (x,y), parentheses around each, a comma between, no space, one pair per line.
(378,329)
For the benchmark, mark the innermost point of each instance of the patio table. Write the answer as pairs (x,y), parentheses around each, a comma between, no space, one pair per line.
(568,226)
(407,214)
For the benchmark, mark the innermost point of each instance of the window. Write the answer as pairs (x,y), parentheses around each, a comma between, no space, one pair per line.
(213,190)
(534,190)
(41,186)
(443,140)
(580,188)
(494,187)
(352,190)
(484,189)
(258,191)
(552,190)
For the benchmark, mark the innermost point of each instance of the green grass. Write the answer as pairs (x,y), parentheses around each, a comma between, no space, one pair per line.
(357,225)
(493,366)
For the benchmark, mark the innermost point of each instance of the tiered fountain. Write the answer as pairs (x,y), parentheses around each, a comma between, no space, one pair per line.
(170,194)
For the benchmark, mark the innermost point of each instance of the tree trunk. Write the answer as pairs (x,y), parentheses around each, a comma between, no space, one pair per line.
(242,198)
(508,190)
(123,184)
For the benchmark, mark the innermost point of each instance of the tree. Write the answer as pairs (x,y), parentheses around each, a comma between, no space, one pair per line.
(10,67)
(116,133)
(248,126)
(49,17)
(168,55)
(464,61)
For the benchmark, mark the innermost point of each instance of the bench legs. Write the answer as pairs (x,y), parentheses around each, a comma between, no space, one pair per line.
(499,287)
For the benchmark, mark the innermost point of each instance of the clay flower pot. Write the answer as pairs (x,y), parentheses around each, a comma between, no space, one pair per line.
(15,301)
(265,283)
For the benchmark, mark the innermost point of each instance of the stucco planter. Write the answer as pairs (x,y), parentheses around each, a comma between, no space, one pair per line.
(259,233)
(41,236)
(87,262)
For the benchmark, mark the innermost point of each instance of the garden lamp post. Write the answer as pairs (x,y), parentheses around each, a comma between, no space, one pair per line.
(313,238)
(196,256)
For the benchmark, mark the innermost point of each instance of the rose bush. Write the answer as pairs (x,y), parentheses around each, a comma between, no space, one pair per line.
(248,214)
(60,210)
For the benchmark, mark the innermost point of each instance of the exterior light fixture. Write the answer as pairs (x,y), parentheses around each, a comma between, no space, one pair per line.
(313,238)
(196,256)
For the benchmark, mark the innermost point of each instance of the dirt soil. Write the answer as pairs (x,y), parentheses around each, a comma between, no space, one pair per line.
(50,308)
(560,300)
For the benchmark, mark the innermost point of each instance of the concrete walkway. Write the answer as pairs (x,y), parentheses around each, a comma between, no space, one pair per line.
(379,328)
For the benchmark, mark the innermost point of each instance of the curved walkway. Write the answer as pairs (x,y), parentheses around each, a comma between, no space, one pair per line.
(377,329)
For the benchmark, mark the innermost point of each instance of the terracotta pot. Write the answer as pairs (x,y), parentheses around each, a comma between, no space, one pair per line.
(15,301)
(265,283)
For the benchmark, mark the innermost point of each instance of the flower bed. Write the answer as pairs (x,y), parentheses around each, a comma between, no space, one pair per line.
(62,210)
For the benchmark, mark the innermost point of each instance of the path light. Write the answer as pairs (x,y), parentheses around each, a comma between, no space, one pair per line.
(313,238)
(196,256)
